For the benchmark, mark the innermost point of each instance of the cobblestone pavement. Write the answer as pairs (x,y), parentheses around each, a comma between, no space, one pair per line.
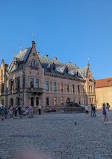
(57,136)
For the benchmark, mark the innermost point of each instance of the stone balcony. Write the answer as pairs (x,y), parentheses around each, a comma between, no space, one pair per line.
(34,90)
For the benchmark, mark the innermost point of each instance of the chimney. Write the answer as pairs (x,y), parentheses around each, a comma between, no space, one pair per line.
(38,53)
(33,44)
(75,65)
(46,56)
(69,63)
(56,59)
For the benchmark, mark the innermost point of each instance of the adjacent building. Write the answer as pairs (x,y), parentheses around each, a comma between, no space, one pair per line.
(31,79)
(103,89)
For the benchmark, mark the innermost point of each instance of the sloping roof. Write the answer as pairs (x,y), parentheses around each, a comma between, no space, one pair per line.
(47,64)
(103,82)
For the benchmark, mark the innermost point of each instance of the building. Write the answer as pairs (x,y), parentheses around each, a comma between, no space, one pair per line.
(31,79)
(103,89)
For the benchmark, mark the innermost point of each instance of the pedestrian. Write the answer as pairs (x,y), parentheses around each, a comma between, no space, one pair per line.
(39,109)
(91,108)
(11,112)
(105,113)
(86,109)
(30,112)
(93,111)
(20,111)
(108,106)
(27,111)
(2,113)
(5,111)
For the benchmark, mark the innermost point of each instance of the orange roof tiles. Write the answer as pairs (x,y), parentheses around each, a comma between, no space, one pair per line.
(103,82)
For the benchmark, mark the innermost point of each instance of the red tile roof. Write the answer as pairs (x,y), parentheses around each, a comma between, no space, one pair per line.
(103,82)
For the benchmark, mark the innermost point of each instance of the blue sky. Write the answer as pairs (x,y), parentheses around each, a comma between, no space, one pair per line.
(71,30)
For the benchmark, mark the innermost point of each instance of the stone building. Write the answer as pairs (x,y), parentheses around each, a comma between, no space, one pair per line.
(103,89)
(31,79)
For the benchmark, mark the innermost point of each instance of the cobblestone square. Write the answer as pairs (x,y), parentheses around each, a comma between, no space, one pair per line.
(56,135)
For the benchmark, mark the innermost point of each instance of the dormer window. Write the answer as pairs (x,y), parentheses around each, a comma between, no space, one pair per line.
(53,66)
(66,70)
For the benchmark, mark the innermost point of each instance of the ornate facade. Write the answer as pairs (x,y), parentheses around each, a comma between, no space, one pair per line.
(31,79)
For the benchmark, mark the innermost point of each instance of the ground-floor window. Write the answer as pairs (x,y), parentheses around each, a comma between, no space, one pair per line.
(62,101)
(32,101)
(37,101)
(79,101)
(47,101)
(74,100)
(2,102)
(55,101)
(17,101)
(11,101)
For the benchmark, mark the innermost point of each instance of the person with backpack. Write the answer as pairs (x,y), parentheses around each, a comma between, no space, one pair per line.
(105,113)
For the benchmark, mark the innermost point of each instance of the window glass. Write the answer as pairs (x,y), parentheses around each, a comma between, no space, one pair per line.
(62,101)
(55,101)
(37,101)
(32,101)
(67,87)
(78,89)
(61,87)
(31,82)
(47,85)
(36,83)
(47,101)
(54,85)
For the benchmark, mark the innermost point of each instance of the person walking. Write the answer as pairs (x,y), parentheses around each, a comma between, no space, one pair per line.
(105,113)
(87,109)
(91,108)
(93,111)
(5,111)
(2,113)
(30,112)
(20,111)
(39,109)
(11,112)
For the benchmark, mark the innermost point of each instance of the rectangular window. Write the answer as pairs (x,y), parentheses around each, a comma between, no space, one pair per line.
(62,101)
(67,87)
(61,87)
(55,101)
(73,89)
(54,85)
(36,83)
(31,82)
(78,89)
(32,101)
(47,101)
(18,83)
(47,85)
(11,85)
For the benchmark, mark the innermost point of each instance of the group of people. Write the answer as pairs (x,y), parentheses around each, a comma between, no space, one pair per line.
(93,111)
(17,112)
